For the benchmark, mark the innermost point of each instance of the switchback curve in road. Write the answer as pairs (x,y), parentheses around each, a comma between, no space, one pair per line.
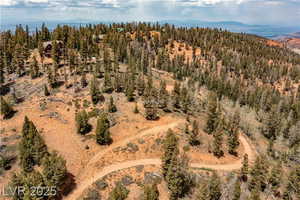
(128,164)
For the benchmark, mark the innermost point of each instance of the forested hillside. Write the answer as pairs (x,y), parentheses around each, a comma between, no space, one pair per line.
(220,96)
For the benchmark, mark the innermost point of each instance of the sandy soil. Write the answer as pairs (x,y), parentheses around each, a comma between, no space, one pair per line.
(274,43)
(182,49)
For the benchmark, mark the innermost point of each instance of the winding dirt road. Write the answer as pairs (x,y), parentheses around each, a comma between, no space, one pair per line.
(84,184)
(150,131)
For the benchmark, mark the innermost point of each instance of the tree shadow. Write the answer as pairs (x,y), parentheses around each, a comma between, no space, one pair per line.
(4,89)
(10,115)
(68,187)
(57,84)
(87,129)
(195,142)
(20,100)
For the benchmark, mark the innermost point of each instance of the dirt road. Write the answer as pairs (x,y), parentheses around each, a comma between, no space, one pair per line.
(91,166)
(154,130)
(124,165)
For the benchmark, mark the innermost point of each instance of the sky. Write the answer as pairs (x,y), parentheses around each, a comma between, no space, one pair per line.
(267,12)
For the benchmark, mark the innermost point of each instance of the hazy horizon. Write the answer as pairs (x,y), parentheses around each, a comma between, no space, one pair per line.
(258,12)
(268,31)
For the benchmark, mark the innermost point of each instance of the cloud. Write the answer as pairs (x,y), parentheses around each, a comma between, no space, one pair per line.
(131,3)
(36,1)
(246,11)
(273,3)
(209,2)
(8,2)
(66,3)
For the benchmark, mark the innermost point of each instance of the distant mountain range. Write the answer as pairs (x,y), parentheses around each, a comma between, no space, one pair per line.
(290,35)
(291,40)
(268,31)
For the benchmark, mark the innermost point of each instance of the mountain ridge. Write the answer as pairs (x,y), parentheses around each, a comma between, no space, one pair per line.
(267,31)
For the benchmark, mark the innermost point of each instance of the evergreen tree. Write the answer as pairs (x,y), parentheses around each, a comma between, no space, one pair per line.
(177,178)
(286,125)
(112,107)
(28,181)
(140,85)
(55,51)
(82,122)
(118,83)
(18,60)
(136,109)
(6,110)
(151,113)
(186,129)
(233,143)
(52,76)
(217,143)
(213,114)
(17,181)
(15,99)
(294,136)
(5,162)
(83,80)
(275,177)
(41,52)
(163,96)
(54,171)
(203,191)
(259,174)
(255,194)
(176,95)
(185,100)
(270,150)
(102,131)
(32,147)
(119,192)
(96,96)
(245,168)
(151,192)
(170,147)
(34,69)
(214,187)
(66,78)
(233,134)
(294,182)
(237,190)
(107,87)
(46,91)
(130,92)
(194,134)
(271,123)
(2,77)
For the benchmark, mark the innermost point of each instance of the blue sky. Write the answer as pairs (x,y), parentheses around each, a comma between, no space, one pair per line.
(279,12)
